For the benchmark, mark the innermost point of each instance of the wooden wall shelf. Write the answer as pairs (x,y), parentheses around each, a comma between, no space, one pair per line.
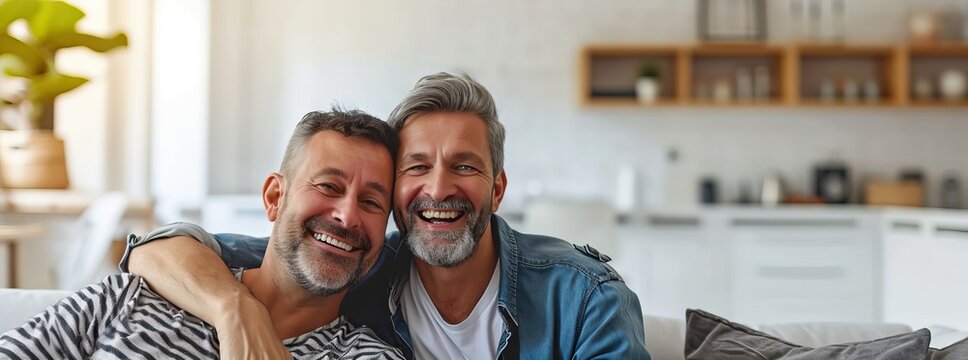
(810,75)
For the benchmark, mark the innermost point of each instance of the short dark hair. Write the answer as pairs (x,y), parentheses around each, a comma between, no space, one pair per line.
(347,122)
(444,92)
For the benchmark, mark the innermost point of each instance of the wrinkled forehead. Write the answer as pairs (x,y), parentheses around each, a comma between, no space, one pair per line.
(442,133)
(330,153)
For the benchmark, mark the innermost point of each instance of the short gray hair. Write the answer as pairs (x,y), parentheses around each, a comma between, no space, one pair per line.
(350,123)
(444,92)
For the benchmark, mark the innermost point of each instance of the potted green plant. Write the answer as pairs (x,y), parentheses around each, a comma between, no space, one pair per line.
(31,156)
(647,85)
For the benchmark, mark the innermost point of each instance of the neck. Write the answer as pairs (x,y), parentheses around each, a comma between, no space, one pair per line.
(456,290)
(293,310)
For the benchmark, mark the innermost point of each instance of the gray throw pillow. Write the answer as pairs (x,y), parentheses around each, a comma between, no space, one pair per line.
(956,351)
(711,337)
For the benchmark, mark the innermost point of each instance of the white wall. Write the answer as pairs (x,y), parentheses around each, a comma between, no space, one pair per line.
(104,122)
(132,100)
(292,57)
(179,105)
(82,115)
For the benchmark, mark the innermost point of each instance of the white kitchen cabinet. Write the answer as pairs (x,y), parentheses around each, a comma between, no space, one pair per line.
(801,268)
(925,270)
(683,267)
(905,248)
(947,291)
(794,264)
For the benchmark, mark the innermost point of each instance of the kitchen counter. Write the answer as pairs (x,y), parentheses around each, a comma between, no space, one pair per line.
(750,214)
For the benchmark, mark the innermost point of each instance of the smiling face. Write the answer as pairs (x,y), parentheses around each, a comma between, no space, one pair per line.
(446,189)
(331,214)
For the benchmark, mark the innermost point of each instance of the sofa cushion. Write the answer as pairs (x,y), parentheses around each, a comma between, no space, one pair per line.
(711,337)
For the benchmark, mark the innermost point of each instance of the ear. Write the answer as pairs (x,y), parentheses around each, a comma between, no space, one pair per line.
(273,191)
(500,185)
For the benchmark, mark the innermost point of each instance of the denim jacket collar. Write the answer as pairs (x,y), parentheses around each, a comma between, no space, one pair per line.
(508,248)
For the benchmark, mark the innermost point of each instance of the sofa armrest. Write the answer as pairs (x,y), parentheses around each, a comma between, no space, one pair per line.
(665,338)
(19,305)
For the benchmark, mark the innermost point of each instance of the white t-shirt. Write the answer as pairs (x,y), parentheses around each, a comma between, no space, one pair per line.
(433,338)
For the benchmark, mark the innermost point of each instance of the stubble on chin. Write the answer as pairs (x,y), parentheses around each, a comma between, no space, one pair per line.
(307,265)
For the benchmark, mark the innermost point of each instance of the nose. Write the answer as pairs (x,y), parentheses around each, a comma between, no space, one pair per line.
(439,185)
(346,212)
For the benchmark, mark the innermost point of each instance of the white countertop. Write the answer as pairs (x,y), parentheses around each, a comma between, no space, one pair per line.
(686,214)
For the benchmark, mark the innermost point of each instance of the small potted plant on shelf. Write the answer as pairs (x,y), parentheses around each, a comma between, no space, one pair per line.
(31,156)
(647,85)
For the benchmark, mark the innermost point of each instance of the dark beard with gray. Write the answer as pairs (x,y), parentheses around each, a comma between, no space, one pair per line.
(308,265)
(458,245)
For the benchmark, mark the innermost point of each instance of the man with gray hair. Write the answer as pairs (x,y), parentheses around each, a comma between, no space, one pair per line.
(456,281)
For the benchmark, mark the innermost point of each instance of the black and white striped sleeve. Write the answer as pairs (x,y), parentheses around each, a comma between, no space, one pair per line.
(369,346)
(70,328)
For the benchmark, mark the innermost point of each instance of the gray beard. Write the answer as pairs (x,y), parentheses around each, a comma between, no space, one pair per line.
(305,269)
(459,243)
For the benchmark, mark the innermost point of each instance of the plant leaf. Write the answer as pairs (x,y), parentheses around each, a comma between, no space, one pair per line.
(47,87)
(13,10)
(71,39)
(12,65)
(32,60)
(53,17)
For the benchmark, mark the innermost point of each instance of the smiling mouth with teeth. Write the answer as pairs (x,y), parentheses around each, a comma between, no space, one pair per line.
(440,216)
(329,240)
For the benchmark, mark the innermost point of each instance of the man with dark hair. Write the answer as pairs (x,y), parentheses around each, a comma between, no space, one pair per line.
(329,204)
(456,281)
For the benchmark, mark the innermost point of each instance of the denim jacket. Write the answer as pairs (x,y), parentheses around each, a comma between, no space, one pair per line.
(556,300)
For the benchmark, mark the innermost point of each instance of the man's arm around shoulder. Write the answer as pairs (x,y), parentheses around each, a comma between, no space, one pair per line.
(193,277)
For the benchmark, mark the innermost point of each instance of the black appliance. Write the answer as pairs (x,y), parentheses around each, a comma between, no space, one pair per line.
(831,182)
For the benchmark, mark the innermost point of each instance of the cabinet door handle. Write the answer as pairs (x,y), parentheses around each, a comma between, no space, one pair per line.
(794,223)
(802,272)
(951,231)
(905,226)
(674,221)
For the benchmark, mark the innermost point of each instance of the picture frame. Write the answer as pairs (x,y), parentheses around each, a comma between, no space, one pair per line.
(731,20)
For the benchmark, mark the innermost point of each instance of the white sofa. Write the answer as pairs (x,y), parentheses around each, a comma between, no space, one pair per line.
(20,305)
(665,337)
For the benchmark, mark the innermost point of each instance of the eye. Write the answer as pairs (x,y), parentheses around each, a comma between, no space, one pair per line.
(417,169)
(465,168)
(372,205)
(328,188)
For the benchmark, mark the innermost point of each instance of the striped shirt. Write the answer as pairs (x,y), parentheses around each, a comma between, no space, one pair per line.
(121,317)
